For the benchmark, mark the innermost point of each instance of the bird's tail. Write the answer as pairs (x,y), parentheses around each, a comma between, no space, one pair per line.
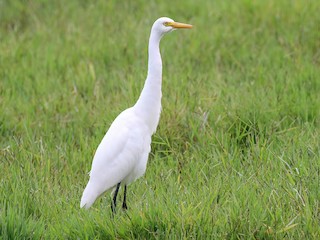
(89,196)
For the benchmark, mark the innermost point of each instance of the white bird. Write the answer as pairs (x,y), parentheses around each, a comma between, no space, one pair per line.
(123,153)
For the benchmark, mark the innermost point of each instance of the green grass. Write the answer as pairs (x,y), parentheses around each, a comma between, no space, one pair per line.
(237,152)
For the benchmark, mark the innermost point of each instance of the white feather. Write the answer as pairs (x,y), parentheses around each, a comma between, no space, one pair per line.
(123,152)
(121,156)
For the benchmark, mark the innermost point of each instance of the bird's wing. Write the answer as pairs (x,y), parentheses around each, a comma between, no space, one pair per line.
(118,153)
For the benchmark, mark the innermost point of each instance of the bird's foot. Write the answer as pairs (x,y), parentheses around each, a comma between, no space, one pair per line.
(124,206)
(113,208)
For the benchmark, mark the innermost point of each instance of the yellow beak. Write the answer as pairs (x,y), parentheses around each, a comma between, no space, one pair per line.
(179,25)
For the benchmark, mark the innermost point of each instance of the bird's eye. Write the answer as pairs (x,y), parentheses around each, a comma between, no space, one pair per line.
(166,24)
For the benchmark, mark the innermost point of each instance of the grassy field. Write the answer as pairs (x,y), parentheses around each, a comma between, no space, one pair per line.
(237,152)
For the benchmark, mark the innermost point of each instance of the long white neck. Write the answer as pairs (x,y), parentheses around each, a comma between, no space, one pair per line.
(148,105)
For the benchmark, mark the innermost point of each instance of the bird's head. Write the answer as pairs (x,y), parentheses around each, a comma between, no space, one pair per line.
(165,25)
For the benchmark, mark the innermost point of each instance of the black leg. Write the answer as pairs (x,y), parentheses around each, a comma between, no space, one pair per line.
(114,202)
(124,204)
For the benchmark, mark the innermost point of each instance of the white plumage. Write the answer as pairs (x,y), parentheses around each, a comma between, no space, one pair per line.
(123,153)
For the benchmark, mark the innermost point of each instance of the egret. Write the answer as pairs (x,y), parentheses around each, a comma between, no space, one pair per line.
(123,152)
